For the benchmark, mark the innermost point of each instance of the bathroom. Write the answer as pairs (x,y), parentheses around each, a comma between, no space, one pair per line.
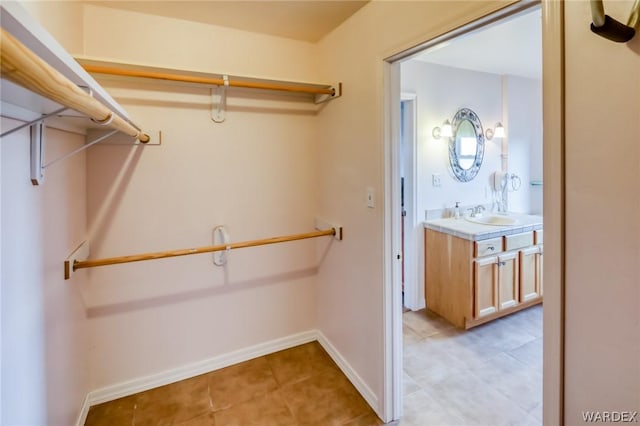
(496,73)
(483,89)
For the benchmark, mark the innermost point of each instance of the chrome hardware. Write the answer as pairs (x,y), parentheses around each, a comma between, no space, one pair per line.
(476,211)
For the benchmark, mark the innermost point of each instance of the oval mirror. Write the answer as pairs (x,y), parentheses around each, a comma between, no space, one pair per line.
(466,147)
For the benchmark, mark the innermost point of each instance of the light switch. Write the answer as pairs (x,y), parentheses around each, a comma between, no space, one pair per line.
(371,199)
(435,179)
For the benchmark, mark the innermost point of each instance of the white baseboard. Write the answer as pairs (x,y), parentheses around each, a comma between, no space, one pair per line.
(119,390)
(351,374)
(82,417)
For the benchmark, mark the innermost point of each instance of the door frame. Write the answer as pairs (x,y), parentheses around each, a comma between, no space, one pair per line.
(413,297)
(553,213)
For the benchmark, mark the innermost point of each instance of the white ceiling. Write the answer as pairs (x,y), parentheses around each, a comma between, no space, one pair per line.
(510,47)
(306,20)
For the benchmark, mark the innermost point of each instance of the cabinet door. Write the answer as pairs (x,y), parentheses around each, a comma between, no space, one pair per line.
(485,286)
(507,280)
(530,278)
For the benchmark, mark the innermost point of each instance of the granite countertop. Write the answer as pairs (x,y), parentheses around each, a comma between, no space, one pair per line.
(463,228)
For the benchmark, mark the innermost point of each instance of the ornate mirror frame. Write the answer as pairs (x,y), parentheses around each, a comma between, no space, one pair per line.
(461,174)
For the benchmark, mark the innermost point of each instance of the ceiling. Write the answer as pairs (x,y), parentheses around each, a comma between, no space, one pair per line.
(513,46)
(305,20)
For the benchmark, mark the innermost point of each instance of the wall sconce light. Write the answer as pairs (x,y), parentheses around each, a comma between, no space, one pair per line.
(446,131)
(498,132)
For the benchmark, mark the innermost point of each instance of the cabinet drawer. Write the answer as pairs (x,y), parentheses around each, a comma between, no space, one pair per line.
(488,247)
(537,237)
(517,241)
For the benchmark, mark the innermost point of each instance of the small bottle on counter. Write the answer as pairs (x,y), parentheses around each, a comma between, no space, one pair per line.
(456,210)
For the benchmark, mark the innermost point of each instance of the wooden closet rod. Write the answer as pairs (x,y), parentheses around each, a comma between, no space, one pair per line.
(208,249)
(23,67)
(209,80)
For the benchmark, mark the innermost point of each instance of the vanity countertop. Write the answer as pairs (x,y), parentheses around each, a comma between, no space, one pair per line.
(463,228)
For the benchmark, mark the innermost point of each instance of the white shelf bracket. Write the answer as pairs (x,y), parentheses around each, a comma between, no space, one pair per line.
(32,122)
(337,92)
(219,101)
(37,149)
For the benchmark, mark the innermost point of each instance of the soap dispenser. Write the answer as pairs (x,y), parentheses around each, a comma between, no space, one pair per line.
(456,210)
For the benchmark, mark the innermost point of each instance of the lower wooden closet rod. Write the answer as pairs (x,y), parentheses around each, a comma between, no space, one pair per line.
(208,249)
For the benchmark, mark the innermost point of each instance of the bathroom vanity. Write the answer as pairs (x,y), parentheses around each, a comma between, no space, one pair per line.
(480,270)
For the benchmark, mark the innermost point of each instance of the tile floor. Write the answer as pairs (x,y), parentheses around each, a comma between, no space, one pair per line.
(490,375)
(487,376)
(298,386)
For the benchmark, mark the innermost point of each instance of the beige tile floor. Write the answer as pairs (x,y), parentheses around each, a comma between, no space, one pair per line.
(490,375)
(487,376)
(296,387)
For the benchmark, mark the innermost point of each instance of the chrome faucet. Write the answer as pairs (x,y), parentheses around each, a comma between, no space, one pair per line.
(477,210)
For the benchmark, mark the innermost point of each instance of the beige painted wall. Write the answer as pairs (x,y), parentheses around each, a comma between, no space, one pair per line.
(62,19)
(351,282)
(151,40)
(602,174)
(254,173)
(44,365)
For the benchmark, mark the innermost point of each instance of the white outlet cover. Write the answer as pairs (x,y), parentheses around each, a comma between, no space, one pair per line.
(371,199)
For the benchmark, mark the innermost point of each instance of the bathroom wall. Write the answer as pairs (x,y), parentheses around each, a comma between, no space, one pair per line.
(523,118)
(254,173)
(441,91)
(514,101)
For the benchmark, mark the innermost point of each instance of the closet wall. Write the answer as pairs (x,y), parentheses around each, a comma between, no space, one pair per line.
(254,173)
(44,339)
(44,330)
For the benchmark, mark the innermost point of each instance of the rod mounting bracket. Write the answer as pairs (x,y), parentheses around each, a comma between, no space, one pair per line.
(80,253)
(37,152)
(219,101)
(337,92)
(321,225)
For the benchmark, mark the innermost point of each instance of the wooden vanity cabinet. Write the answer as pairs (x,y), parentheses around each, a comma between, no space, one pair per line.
(472,282)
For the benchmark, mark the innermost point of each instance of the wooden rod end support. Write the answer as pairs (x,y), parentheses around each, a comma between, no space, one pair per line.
(144,138)
(82,253)
(321,224)
(337,233)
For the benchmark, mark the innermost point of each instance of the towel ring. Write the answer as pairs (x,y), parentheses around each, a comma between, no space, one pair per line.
(611,29)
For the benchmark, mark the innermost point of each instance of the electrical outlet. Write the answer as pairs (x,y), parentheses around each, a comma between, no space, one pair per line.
(435,179)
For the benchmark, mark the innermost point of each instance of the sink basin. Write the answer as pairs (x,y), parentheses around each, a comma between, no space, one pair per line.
(496,220)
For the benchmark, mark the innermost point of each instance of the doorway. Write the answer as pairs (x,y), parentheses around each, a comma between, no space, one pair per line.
(411,222)
(434,178)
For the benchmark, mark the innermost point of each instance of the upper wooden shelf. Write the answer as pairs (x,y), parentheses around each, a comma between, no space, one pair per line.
(22,104)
